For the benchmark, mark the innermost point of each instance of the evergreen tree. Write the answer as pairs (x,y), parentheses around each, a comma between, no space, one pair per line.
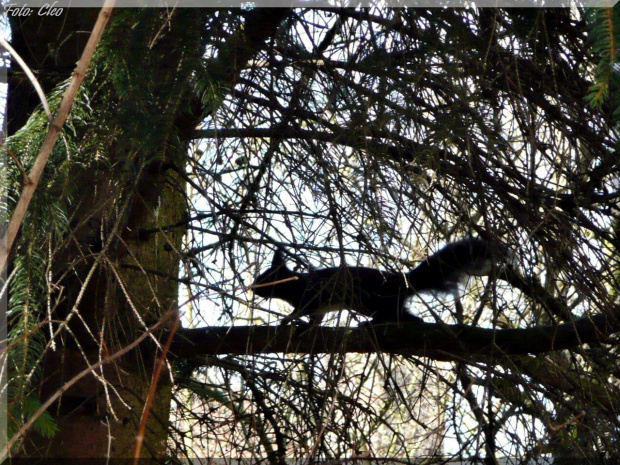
(202,141)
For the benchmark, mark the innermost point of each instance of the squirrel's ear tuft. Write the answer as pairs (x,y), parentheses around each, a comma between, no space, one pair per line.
(278,258)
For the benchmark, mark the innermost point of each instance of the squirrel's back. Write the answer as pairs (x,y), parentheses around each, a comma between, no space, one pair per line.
(442,271)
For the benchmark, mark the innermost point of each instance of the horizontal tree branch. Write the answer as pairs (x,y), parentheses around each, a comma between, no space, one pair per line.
(436,341)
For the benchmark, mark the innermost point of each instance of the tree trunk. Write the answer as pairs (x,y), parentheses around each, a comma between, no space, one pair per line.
(118,268)
(131,191)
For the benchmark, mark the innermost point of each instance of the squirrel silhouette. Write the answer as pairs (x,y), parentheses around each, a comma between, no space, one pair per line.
(378,294)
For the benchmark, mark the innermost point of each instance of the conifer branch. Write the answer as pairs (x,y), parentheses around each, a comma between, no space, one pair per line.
(6,243)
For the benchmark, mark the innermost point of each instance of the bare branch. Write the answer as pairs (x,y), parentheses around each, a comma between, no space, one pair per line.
(436,341)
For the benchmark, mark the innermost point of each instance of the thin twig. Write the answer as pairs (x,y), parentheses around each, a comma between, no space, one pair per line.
(159,365)
(26,426)
(19,165)
(31,76)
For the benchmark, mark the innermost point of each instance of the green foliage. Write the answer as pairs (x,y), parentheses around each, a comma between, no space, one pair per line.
(45,223)
(604,35)
(132,93)
(123,117)
(21,412)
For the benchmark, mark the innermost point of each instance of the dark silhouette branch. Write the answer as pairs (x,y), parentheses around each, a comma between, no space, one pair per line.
(437,341)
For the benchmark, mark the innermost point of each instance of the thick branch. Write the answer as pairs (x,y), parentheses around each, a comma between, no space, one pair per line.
(437,341)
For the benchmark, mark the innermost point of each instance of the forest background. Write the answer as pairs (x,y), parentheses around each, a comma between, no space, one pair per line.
(202,140)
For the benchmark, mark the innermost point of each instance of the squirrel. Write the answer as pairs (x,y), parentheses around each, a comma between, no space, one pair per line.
(378,294)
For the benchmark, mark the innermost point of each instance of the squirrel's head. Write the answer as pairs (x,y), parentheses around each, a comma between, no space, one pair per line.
(268,283)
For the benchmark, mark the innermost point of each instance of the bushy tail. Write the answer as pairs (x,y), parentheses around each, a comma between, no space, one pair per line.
(442,271)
